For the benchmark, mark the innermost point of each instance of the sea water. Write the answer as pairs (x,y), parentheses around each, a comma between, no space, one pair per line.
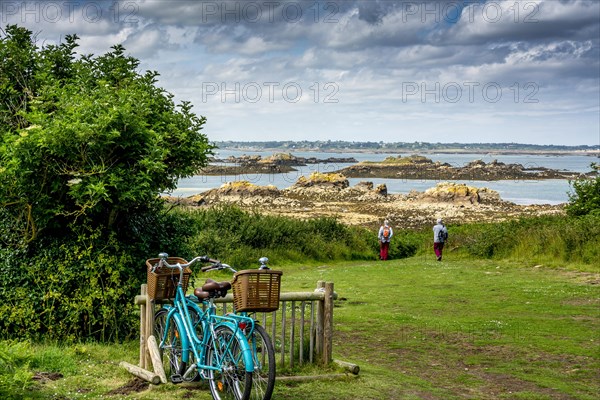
(524,192)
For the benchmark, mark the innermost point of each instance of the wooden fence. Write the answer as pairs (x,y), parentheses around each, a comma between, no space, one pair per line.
(301,330)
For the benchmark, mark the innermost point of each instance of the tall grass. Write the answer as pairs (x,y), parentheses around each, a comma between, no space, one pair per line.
(552,240)
(241,237)
(15,375)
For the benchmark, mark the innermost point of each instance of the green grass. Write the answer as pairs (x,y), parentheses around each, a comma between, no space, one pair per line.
(482,329)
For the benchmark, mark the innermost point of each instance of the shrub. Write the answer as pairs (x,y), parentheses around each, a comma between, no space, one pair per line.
(404,244)
(94,140)
(82,285)
(69,290)
(585,197)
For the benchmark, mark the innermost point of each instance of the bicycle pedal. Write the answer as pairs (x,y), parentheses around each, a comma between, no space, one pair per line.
(176,378)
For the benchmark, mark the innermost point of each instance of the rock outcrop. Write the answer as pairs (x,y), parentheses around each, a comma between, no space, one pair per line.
(319,179)
(460,193)
(232,191)
(275,164)
(419,167)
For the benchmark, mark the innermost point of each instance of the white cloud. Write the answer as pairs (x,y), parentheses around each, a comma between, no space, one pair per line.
(530,20)
(371,52)
(148,41)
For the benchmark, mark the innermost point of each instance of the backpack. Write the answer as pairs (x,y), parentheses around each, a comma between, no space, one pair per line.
(386,232)
(442,235)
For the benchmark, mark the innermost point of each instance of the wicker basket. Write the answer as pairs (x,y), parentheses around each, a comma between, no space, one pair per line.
(162,282)
(256,290)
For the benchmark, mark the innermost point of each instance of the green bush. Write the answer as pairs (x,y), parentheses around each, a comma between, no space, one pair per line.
(405,243)
(87,141)
(585,197)
(82,286)
(69,291)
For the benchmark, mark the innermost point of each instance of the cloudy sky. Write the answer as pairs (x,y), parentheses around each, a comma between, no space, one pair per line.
(437,71)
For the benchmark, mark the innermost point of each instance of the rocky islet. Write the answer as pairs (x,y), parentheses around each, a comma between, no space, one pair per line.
(366,204)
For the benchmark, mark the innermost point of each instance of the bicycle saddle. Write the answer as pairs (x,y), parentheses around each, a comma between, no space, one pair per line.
(212,288)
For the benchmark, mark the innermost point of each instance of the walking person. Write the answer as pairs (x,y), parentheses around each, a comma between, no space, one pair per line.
(440,235)
(385,236)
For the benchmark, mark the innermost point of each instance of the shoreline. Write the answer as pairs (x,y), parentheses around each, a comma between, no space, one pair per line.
(560,153)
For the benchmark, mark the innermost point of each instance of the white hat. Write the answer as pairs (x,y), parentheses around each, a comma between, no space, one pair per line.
(439,221)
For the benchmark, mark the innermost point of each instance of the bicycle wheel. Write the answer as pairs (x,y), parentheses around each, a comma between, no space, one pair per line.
(171,351)
(231,381)
(263,355)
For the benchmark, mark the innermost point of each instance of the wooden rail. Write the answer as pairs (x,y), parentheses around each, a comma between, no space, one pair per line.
(301,330)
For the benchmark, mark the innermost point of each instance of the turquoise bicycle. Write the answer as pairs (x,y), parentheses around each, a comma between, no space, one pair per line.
(199,344)
(254,291)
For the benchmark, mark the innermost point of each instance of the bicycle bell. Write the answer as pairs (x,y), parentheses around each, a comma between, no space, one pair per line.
(263,262)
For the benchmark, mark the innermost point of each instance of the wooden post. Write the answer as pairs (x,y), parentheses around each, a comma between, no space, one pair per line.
(283,333)
(274,328)
(149,327)
(157,365)
(328,324)
(312,333)
(352,368)
(301,352)
(320,321)
(292,333)
(143,293)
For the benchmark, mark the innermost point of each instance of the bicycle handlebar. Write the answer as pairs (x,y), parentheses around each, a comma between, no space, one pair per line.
(216,265)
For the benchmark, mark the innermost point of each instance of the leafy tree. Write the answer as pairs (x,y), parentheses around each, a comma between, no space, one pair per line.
(585,198)
(87,144)
(90,140)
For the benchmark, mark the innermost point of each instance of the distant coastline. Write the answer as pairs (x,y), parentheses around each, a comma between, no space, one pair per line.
(404,147)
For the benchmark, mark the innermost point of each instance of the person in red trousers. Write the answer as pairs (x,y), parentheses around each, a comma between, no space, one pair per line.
(440,235)
(384,236)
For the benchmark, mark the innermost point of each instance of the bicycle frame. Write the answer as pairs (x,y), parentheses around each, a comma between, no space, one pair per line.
(240,317)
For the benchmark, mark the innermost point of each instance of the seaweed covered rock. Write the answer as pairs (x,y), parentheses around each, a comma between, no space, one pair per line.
(381,189)
(282,159)
(245,188)
(232,191)
(420,167)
